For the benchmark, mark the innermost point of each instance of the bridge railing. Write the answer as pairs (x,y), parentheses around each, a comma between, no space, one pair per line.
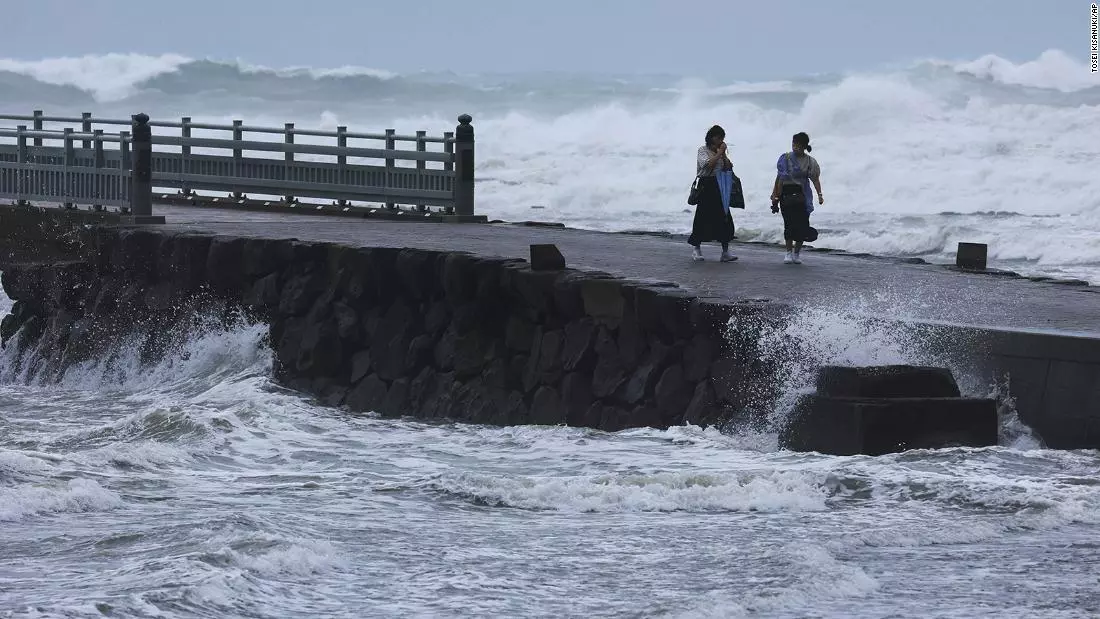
(296,164)
(97,172)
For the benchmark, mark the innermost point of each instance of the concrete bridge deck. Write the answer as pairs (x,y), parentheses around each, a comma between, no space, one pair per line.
(859,285)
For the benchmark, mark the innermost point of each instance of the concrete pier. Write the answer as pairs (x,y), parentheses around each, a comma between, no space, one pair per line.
(1042,336)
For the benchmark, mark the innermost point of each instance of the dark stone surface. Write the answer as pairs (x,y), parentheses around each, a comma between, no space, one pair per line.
(576,397)
(299,294)
(546,407)
(611,370)
(849,426)
(579,351)
(603,301)
(520,333)
(361,365)
(224,265)
(546,257)
(367,395)
(320,352)
(263,296)
(703,410)
(892,381)
(971,256)
(402,327)
(471,352)
(672,395)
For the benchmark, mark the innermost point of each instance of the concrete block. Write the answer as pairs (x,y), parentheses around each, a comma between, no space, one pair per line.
(890,381)
(850,426)
(546,257)
(971,256)
(1026,382)
(1072,390)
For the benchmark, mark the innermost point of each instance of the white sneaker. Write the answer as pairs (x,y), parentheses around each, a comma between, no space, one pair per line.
(798,257)
(727,256)
(697,254)
(789,258)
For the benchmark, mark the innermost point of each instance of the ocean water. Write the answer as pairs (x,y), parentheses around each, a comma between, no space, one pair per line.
(914,158)
(199,488)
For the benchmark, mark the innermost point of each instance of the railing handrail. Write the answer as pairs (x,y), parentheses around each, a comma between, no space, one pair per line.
(216,127)
(122,136)
(231,144)
(303,149)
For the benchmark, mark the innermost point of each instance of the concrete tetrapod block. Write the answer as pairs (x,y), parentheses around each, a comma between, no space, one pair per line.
(876,426)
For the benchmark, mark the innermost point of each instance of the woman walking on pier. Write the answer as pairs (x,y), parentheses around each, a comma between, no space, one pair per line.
(713,221)
(791,195)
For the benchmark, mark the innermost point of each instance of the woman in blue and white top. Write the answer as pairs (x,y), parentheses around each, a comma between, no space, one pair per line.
(791,194)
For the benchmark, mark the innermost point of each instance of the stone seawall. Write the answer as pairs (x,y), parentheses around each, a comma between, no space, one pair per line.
(368,325)
(431,334)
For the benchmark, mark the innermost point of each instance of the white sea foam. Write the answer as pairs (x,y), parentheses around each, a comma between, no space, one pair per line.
(820,578)
(109,77)
(659,492)
(1053,69)
(76,495)
(860,330)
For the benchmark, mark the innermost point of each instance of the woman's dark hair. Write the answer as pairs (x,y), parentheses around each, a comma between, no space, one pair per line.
(802,139)
(716,130)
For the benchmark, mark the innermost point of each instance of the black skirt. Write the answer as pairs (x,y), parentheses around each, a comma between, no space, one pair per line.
(796,222)
(712,222)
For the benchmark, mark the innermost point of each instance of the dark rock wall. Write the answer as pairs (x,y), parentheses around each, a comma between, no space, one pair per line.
(445,334)
(411,332)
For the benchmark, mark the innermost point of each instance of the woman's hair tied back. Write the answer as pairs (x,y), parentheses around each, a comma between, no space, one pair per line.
(803,139)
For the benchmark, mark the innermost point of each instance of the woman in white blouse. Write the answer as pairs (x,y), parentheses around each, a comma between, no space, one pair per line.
(713,221)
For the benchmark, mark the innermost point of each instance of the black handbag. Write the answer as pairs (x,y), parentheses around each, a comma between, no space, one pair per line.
(737,195)
(693,195)
(791,196)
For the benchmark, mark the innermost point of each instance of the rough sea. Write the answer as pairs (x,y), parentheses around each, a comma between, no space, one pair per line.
(199,488)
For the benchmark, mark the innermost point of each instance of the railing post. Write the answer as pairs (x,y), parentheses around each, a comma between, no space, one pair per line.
(69,164)
(124,149)
(100,156)
(421,147)
(288,158)
(37,126)
(449,148)
(391,144)
(238,154)
(185,153)
(99,160)
(464,166)
(342,160)
(141,174)
(21,159)
(126,161)
(86,127)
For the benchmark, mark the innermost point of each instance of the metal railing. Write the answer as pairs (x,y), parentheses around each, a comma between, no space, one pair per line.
(237,166)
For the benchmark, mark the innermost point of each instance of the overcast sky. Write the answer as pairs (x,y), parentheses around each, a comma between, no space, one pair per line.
(748,38)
